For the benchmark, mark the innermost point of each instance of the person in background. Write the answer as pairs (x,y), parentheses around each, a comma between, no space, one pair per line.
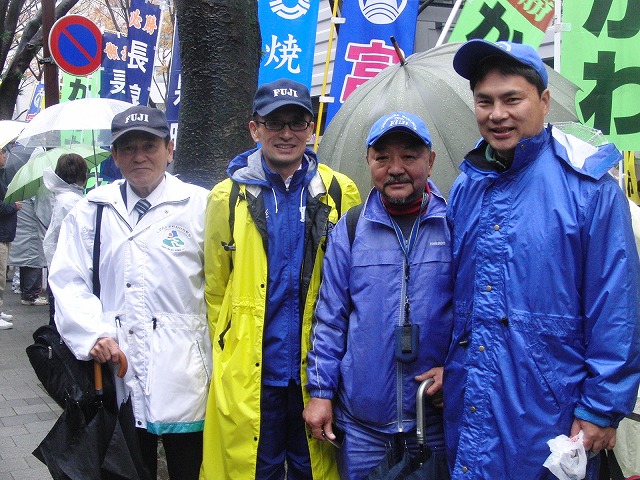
(151,303)
(546,333)
(383,320)
(67,186)
(265,236)
(8,222)
(26,252)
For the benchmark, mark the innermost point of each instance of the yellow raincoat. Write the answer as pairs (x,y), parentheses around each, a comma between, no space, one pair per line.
(236,281)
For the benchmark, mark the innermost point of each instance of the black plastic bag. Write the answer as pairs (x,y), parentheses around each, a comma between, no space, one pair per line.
(64,377)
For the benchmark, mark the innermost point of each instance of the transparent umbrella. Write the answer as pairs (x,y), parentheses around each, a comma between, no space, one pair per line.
(9,130)
(428,86)
(86,121)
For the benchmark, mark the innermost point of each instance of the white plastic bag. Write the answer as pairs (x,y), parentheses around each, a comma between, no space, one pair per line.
(568,459)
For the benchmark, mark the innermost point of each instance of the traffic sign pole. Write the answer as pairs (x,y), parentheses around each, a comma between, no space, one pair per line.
(51,89)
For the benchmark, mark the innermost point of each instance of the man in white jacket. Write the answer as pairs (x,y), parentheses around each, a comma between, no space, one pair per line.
(151,304)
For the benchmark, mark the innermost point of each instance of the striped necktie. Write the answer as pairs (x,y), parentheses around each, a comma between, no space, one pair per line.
(142,207)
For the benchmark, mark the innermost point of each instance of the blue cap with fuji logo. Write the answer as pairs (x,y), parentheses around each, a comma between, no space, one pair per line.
(399,122)
(470,54)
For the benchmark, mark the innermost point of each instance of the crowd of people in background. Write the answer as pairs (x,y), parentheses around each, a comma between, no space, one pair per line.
(271,334)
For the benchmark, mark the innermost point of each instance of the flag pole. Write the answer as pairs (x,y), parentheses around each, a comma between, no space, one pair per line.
(447,25)
(557,35)
(323,90)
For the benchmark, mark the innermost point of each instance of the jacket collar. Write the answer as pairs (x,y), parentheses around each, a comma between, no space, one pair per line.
(375,211)
(476,166)
(110,194)
(579,155)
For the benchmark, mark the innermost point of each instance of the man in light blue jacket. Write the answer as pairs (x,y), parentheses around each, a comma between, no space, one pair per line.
(545,339)
(383,320)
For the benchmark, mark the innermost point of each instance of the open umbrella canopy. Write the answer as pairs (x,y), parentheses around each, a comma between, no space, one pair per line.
(9,130)
(28,178)
(427,86)
(87,120)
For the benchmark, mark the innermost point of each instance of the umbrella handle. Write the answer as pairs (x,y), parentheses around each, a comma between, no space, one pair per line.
(97,377)
(124,364)
(97,371)
(420,409)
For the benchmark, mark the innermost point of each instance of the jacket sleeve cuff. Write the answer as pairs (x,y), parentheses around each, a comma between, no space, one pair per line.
(599,420)
(322,393)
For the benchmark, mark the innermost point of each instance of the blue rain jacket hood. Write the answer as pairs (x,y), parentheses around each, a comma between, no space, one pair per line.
(545,305)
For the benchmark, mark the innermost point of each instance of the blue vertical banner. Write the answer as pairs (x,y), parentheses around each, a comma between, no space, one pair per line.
(364,43)
(113,72)
(175,85)
(288,30)
(37,101)
(144,22)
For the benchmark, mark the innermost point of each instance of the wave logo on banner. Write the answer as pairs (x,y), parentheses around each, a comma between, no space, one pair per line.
(382,12)
(288,40)
(289,13)
(364,47)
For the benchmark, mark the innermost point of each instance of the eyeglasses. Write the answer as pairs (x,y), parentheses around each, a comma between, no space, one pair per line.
(277,125)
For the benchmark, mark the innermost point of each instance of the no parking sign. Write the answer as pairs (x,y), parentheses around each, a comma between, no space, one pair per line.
(75,43)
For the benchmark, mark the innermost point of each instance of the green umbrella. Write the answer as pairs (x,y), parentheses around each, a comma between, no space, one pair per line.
(28,178)
(425,85)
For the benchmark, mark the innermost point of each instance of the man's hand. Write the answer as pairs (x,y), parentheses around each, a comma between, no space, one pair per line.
(318,415)
(18,204)
(435,389)
(595,438)
(105,349)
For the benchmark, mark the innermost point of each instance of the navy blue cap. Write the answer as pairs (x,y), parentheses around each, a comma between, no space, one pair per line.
(399,122)
(139,118)
(280,93)
(474,51)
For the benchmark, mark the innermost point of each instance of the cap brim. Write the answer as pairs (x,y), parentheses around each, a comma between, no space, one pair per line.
(267,109)
(153,131)
(473,52)
(398,128)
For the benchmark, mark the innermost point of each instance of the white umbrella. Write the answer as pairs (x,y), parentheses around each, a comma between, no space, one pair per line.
(86,121)
(9,130)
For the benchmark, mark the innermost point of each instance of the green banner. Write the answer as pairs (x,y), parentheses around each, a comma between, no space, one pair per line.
(601,54)
(522,21)
(74,88)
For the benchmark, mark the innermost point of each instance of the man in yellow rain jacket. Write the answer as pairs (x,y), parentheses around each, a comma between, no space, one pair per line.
(265,237)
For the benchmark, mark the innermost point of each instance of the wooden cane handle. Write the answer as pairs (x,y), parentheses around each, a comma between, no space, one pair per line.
(124,364)
(97,377)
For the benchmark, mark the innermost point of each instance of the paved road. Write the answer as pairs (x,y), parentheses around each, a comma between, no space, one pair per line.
(26,411)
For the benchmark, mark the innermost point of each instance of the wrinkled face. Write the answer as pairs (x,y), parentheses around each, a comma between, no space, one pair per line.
(283,149)
(508,108)
(142,158)
(400,164)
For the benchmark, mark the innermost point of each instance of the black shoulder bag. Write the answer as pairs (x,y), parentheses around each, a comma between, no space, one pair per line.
(63,376)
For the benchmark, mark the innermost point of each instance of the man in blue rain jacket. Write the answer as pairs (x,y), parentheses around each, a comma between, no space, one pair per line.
(545,338)
(383,320)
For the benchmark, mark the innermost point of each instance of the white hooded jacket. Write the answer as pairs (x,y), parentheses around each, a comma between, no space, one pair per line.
(66,195)
(151,299)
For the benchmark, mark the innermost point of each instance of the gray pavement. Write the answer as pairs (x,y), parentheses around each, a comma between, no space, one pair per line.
(27,413)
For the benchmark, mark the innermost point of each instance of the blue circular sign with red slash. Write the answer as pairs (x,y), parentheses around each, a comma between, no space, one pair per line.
(75,43)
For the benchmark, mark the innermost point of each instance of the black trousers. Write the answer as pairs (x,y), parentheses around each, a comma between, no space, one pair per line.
(183,452)
(30,282)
